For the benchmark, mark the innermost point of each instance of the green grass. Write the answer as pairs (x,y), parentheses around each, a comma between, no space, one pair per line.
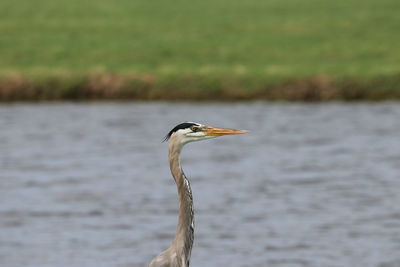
(272,40)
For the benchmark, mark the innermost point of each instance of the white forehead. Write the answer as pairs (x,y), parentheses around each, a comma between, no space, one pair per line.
(198,124)
(188,130)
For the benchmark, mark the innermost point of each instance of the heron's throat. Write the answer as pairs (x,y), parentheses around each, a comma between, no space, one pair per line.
(185,229)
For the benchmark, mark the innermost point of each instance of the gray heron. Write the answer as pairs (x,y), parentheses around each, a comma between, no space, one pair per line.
(178,254)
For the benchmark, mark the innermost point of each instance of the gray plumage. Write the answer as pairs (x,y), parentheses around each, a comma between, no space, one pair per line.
(178,254)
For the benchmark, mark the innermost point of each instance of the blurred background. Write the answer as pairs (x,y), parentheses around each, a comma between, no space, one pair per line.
(226,50)
(88,90)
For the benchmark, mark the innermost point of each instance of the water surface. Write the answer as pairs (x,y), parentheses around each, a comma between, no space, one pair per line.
(311,185)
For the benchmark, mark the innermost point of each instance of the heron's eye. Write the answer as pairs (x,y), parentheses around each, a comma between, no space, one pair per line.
(194,128)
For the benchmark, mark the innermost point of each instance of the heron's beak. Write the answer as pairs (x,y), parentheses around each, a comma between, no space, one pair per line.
(214,131)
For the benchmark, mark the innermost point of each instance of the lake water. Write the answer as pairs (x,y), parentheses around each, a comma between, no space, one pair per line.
(310,185)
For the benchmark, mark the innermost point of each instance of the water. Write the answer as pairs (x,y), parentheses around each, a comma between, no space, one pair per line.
(311,185)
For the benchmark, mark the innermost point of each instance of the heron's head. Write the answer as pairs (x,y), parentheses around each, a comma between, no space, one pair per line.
(191,131)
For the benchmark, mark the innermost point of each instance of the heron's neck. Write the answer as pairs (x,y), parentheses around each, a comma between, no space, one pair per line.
(184,234)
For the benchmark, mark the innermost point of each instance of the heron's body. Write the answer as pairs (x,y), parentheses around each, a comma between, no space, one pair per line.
(178,255)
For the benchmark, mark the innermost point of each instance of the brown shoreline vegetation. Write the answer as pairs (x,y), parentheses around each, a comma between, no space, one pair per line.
(112,86)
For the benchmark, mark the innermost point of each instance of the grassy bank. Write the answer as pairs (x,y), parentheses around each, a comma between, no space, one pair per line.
(199,49)
(101,86)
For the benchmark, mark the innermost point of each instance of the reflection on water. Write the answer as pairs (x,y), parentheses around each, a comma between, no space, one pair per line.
(311,185)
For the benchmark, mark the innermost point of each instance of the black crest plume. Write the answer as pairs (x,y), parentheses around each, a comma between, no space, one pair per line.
(183,125)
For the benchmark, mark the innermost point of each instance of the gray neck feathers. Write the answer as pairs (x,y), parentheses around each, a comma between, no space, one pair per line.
(183,241)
